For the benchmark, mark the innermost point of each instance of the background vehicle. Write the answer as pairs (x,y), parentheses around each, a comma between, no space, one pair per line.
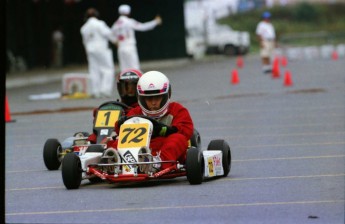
(107,114)
(205,35)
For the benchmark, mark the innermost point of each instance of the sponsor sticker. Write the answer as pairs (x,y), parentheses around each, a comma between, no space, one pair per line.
(104,132)
(210,166)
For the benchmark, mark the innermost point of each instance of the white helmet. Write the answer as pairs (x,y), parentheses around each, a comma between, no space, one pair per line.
(154,83)
(124,10)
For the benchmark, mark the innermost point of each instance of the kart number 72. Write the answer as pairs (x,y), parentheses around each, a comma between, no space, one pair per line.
(133,135)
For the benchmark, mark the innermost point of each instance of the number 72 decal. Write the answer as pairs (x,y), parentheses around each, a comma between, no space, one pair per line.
(133,135)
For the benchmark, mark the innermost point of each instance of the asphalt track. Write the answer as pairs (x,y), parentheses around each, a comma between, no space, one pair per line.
(287,144)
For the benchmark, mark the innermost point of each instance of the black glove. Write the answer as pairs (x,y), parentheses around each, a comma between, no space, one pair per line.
(121,121)
(160,129)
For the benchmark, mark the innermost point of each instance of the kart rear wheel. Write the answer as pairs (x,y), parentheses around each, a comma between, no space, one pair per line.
(195,139)
(195,166)
(52,154)
(223,146)
(71,171)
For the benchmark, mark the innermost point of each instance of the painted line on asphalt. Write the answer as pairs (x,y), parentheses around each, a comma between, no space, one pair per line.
(282,135)
(282,203)
(283,177)
(292,145)
(272,126)
(33,188)
(264,119)
(271,108)
(222,179)
(289,158)
(24,171)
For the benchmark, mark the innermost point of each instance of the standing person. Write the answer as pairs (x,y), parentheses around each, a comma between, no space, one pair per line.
(267,38)
(96,36)
(123,29)
(173,125)
(57,42)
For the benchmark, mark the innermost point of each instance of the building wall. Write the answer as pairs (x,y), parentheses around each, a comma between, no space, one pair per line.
(30,24)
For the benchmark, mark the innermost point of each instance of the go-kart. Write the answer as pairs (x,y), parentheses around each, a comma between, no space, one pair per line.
(132,160)
(107,114)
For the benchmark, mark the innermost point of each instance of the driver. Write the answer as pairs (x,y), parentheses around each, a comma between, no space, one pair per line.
(174,127)
(126,87)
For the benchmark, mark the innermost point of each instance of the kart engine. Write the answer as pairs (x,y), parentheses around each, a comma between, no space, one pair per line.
(110,156)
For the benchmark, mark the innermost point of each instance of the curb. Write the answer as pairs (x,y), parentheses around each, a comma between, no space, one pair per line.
(42,76)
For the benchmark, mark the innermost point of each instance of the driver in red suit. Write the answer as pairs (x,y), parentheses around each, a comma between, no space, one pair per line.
(174,126)
(126,87)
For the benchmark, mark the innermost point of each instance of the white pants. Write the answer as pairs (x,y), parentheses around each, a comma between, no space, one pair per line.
(128,57)
(267,49)
(102,72)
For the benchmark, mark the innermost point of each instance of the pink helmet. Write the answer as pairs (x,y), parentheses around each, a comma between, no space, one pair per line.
(151,84)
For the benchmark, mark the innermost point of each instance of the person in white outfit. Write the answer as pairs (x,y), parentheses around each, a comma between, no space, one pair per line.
(123,29)
(267,38)
(96,36)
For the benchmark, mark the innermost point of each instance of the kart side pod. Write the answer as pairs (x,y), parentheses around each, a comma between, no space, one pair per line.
(213,163)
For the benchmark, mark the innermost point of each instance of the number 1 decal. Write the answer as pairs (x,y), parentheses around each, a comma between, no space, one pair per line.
(107,118)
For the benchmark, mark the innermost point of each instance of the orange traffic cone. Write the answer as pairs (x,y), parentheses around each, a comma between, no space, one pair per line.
(284,61)
(334,55)
(234,77)
(287,78)
(7,112)
(275,68)
(240,62)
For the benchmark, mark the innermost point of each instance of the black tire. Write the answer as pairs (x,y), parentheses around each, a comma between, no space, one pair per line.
(52,154)
(71,171)
(195,140)
(95,148)
(223,146)
(195,166)
(83,133)
(230,50)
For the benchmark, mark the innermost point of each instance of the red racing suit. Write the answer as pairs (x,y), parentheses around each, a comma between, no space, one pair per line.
(174,146)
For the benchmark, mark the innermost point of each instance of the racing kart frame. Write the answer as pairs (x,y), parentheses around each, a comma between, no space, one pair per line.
(132,160)
(107,114)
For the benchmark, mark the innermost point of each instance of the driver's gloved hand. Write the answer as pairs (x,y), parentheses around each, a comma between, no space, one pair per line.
(121,121)
(162,130)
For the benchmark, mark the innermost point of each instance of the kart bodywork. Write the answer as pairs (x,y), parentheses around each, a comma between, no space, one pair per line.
(107,114)
(132,160)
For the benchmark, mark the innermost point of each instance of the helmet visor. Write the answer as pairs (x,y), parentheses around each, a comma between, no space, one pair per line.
(153,104)
(127,87)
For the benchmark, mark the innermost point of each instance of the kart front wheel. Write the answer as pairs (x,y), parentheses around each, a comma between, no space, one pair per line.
(71,171)
(52,154)
(223,146)
(195,166)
